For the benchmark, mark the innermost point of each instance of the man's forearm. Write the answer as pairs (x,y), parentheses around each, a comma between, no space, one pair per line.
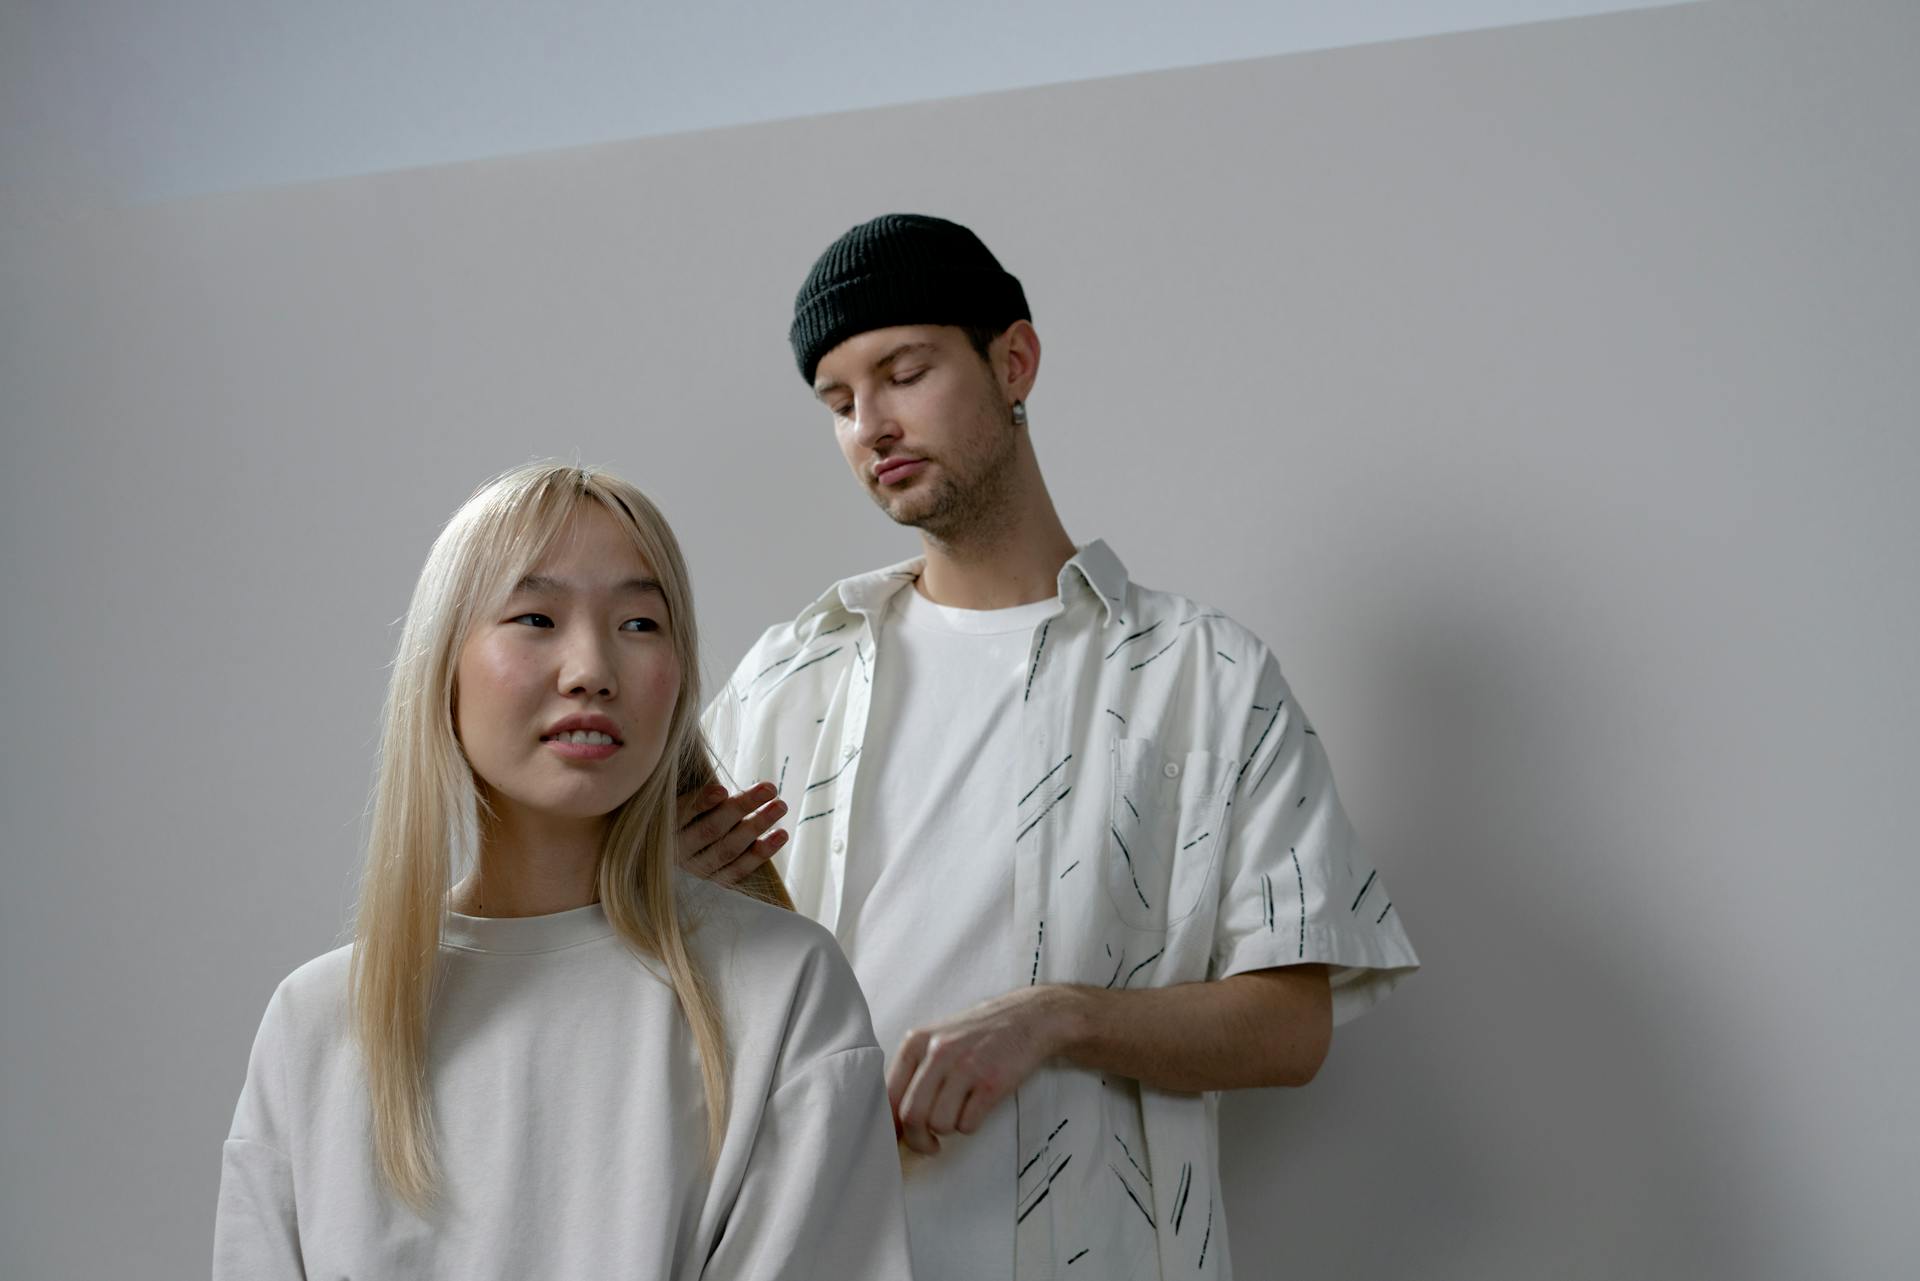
(1267,1027)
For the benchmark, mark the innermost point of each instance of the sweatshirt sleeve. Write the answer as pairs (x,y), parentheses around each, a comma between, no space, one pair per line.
(256,1234)
(821,1194)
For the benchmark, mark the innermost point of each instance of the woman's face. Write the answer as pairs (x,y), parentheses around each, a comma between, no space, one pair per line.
(563,696)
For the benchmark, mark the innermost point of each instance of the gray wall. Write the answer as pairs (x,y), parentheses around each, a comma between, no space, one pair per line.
(188,97)
(1544,396)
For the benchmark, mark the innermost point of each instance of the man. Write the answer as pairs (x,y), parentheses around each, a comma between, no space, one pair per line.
(1079,843)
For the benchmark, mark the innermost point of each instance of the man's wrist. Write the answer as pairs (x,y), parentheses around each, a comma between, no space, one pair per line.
(1066,1018)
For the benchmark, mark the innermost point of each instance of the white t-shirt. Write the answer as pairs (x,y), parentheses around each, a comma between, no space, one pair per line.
(928,922)
(572,1130)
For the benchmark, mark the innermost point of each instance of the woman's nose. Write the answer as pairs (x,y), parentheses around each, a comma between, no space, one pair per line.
(587,667)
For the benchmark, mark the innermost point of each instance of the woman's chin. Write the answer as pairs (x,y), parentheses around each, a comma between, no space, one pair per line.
(568,807)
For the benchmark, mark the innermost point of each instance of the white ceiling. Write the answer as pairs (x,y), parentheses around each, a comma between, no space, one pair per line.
(149,99)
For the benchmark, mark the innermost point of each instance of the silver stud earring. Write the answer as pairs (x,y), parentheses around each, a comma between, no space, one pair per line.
(1019,413)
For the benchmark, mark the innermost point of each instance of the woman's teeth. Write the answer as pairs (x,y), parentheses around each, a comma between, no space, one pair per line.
(592,736)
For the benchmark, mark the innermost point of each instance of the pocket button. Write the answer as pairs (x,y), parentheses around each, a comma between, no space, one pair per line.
(1173,771)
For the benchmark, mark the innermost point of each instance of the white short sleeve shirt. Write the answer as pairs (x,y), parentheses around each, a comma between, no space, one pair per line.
(1173,819)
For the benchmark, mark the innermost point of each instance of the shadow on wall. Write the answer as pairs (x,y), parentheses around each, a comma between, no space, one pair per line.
(1541,1097)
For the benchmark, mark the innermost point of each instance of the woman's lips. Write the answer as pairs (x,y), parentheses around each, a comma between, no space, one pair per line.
(582,745)
(583,751)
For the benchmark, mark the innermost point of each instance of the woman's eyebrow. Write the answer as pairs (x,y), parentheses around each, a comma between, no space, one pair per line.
(544,584)
(643,587)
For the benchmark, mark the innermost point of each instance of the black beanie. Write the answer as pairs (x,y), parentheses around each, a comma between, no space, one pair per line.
(900,269)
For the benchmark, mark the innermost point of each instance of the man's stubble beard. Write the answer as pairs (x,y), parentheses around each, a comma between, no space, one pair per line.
(966,511)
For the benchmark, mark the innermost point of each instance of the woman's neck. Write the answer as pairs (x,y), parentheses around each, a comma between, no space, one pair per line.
(532,865)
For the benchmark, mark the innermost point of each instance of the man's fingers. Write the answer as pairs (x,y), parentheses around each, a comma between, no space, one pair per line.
(943,1113)
(914,1105)
(703,847)
(699,831)
(980,1102)
(906,1061)
(933,1099)
(697,802)
(738,841)
(746,863)
(705,828)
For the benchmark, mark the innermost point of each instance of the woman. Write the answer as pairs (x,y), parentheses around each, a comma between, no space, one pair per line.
(576,1061)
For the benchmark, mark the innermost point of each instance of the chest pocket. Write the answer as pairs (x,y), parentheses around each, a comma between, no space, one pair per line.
(1164,830)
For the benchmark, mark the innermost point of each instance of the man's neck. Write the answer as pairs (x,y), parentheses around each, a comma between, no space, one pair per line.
(1016,564)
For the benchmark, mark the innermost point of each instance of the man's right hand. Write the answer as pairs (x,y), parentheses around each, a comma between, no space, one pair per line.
(724,838)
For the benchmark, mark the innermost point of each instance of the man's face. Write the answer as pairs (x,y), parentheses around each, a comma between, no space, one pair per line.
(924,424)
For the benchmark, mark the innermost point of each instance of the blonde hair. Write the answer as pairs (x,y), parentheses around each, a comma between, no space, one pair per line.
(428,810)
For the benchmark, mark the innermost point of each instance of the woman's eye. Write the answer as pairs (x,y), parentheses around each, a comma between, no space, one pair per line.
(639,625)
(532,620)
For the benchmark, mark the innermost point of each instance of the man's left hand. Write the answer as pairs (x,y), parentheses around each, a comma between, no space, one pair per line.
(948,1076)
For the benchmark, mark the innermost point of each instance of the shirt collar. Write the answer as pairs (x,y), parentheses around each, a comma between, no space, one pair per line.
(1093,570)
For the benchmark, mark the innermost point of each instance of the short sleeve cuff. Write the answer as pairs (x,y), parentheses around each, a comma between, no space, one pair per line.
(1363,965)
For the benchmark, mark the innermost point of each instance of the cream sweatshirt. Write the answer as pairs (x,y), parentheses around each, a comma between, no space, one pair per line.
(571,1123)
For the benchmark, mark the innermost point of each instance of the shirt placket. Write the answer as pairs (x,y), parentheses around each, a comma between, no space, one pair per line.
(1046,736)
(853,733)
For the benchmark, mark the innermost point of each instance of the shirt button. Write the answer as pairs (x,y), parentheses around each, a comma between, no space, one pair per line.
(1173,771)
(839,845)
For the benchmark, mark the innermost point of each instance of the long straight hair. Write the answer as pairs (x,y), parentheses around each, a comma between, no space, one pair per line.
(429,812)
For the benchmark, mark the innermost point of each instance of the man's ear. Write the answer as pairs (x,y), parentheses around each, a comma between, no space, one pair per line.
(1020,361)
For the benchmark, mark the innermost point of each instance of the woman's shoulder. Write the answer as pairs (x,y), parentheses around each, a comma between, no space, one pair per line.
(310,1004)
(774,965)
(752,933)
(324,978)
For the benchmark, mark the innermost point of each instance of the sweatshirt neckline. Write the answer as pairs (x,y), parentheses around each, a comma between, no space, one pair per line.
(523,934)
